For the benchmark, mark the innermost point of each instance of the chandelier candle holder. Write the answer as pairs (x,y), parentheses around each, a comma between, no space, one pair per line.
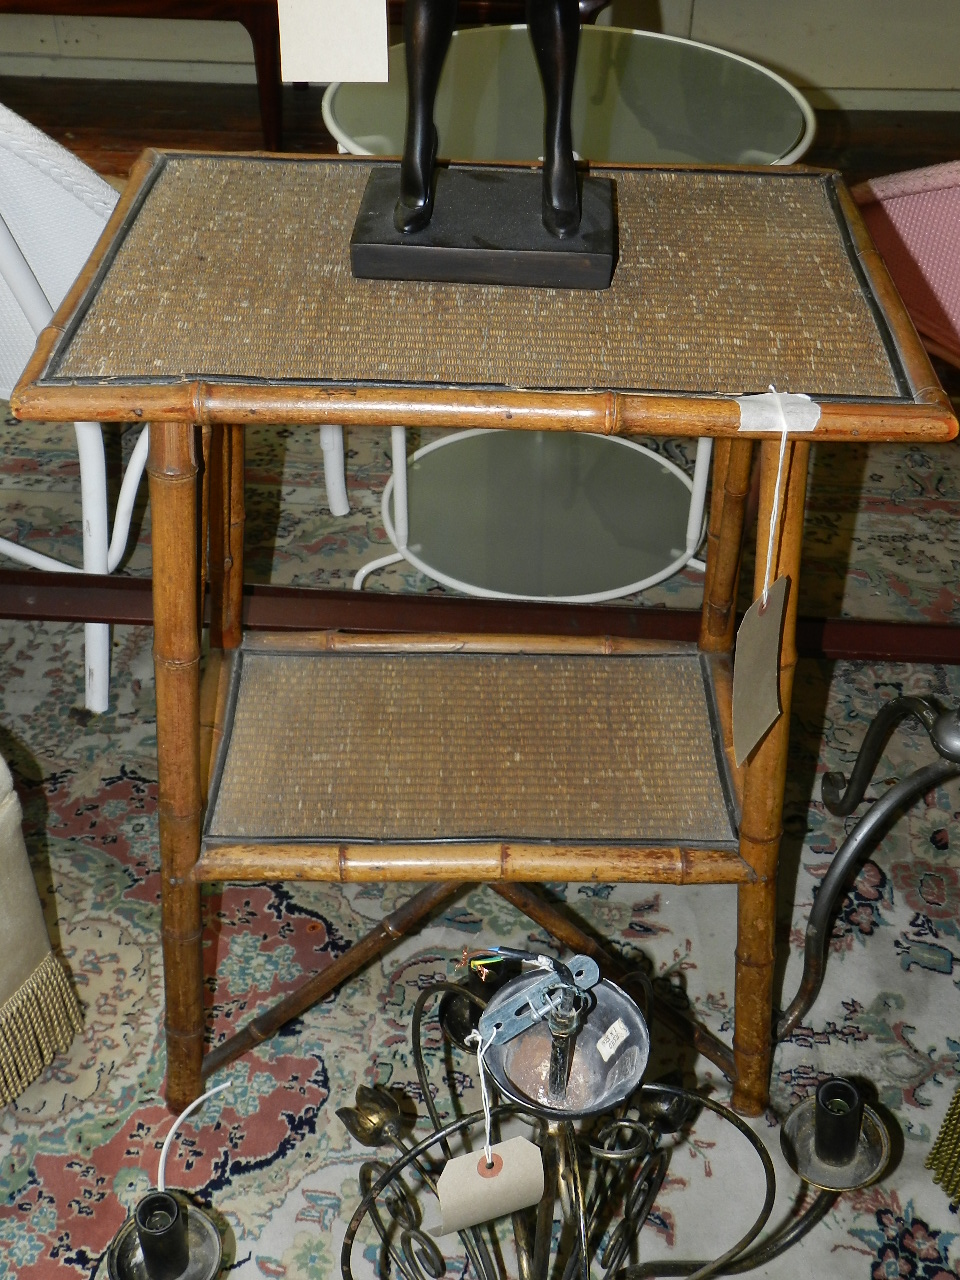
(168,1237)
(833,1140)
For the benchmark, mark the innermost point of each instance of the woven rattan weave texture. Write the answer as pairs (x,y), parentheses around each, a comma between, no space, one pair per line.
(727,282)
(415,747)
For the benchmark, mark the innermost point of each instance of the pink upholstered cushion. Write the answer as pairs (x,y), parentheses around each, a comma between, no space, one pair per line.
(914,219)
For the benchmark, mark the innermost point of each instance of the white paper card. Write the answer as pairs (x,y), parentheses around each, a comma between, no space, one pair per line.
(612,1039)
(326,40)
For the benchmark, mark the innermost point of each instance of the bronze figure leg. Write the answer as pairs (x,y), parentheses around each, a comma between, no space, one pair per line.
(555,32)
(427,30)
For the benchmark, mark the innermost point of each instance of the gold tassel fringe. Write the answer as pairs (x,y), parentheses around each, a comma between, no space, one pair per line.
(944,1157)
(36,1023)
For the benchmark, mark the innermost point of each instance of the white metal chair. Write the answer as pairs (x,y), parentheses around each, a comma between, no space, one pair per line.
(52,211)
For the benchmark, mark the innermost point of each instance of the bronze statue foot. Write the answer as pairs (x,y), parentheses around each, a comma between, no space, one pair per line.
(560,204)
(562,221)
(410,216)
(414,208)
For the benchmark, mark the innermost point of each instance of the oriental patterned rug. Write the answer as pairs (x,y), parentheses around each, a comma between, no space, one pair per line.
(269,1154)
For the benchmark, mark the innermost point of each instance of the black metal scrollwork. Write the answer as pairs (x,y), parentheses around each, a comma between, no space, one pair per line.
(424,1259)
(639,1201)
(605,1181)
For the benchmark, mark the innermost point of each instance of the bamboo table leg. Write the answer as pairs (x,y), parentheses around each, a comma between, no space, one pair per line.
(172,469)
(766,771)
(233,561)
(731,470)
(226,536)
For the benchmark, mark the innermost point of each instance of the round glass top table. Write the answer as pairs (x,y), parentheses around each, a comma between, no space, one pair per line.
(558,516)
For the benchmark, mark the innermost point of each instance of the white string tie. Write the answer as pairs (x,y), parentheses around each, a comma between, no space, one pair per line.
(775,513)
(482,1048)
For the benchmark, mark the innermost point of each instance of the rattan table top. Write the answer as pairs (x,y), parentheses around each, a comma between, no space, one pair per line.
(237,268)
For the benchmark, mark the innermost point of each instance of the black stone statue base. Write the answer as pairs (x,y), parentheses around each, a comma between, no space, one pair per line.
(486,229)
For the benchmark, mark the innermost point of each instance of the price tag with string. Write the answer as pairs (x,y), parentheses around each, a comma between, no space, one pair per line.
(756,668)
(507,1176)
(503,1178)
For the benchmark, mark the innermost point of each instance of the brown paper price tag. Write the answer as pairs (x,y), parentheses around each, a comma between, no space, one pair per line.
(756,670)
(470,1192)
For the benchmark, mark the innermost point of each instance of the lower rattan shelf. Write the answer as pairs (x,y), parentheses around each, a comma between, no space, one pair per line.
(411,758)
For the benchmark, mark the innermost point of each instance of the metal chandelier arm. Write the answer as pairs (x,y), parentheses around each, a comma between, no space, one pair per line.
(842,802)
(844,861)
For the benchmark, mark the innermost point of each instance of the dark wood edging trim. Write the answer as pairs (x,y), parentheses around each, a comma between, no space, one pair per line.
(66,597)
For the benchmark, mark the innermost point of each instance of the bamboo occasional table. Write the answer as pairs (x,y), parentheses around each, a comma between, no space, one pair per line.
(219,296)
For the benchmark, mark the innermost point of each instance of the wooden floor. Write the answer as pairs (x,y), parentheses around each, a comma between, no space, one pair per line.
(108,123)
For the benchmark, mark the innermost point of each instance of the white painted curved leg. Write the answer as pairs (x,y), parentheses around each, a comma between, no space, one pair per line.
(334,474)
(128,497)
(372,566)
(35,559)
(698,498)
(401,519)
(93,502)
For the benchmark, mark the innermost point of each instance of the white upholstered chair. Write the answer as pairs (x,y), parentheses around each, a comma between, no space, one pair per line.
(52,211)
